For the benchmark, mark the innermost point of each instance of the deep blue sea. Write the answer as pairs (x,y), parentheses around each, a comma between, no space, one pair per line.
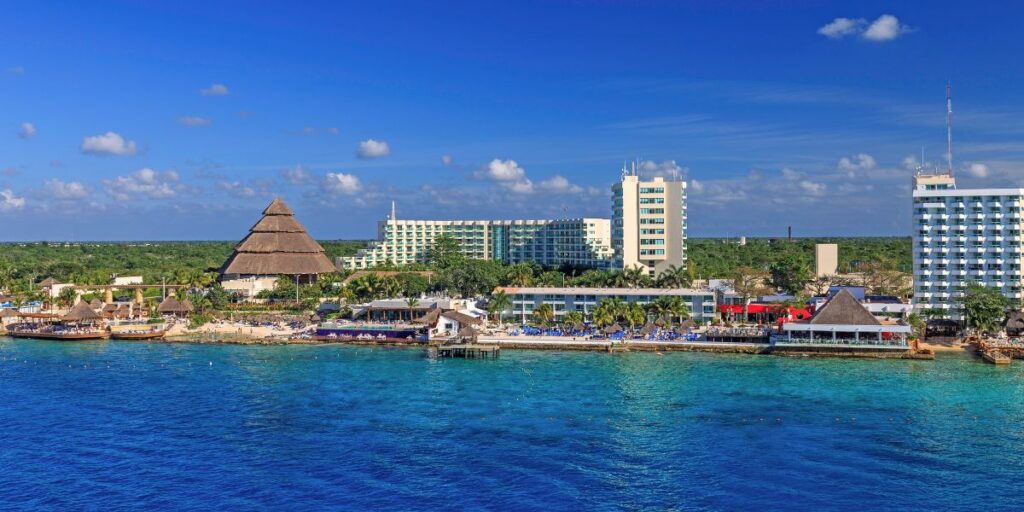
(157,426)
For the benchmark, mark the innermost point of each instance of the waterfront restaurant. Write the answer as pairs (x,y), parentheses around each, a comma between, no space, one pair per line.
(843,322)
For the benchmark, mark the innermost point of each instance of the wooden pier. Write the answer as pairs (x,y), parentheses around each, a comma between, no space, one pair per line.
(995,357)
(469,351)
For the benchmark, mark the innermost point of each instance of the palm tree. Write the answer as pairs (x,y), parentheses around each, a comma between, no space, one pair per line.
(520,275)
(608,311)
(673,277)
(544,314)
(412,303)
(67,297)
(635,277)
(634,314)
(572,318)
(500,301)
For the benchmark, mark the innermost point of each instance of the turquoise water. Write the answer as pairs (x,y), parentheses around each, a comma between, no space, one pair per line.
(123,425)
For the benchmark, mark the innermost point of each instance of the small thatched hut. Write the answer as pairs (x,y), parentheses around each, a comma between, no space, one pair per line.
(276,245)
(612,329)
(171,306)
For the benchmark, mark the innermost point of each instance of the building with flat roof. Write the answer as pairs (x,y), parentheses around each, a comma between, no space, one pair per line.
(649,222)
(584,300)
(826,260)
(583,242)
(963,236)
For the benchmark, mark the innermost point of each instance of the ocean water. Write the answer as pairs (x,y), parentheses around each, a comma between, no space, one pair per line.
(155,426)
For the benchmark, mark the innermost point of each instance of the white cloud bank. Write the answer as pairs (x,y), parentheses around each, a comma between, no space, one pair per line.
(215,90)
(9,201)
(373,149)
(885,28)
(146,183)
(109,143)
(194,121)
(339,183)
(27,131)
(65,190)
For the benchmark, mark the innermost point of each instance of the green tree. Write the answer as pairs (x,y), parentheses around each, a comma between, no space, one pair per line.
(789,275)
(67,297)
(984,307)
(219,297)
(446,253)
(749,282)
(634,314)
(636,277)
(572,318)
(520,275)
(500,301)
(543,314)
(674,277)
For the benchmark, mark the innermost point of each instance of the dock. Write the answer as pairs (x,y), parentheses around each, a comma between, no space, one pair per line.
(995,357)
(469,351)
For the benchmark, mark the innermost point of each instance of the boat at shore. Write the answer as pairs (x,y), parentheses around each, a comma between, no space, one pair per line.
(137,335)
(370,333)
(79,323)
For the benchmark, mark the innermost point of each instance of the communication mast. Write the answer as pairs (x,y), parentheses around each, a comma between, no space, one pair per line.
(949,129)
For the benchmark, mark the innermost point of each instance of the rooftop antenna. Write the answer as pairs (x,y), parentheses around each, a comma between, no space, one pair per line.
(949,128)
(393,211)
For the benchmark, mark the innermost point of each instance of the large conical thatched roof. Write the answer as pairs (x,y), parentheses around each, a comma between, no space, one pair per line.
(82,311)
(278,244)
(843,309)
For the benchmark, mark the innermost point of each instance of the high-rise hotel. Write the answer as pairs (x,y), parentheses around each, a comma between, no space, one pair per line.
(647,230)
(649,222)
(964,236)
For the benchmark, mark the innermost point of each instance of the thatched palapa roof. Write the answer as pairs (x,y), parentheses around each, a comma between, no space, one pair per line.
(170,305)
(48,282)
(82,312)
(7,312)
(843,309)
(278,244)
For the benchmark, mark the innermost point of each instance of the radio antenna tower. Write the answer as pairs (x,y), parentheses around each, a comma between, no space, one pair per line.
(949,129)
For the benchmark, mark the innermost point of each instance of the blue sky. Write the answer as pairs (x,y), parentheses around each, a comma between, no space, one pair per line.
(181,120)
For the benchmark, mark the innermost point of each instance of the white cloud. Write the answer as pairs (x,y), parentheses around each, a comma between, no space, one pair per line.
(859,162)
(559,184)
(308,130)
(447,160)
(886,28)
(668,168)
(502,170)
(66,190)
(9,201)
(333,131)
(237,188)
(146,183)
(109,143)
(373,149)
(297,175)
(194,121)
(341,183)
(215,90)
(791,174)
(812,188)
(978,170)
(842,27)
(27,131)
(910,163)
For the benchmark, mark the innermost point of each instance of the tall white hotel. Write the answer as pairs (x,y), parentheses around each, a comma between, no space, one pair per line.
(963,236)
(649,222)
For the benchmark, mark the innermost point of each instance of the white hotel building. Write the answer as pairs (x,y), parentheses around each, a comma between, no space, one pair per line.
(963,236)
(582,242)
(649,222)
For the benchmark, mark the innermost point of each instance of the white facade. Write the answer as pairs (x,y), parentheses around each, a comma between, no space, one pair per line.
(963,236)
(584,242)
(649,223)
(584,300)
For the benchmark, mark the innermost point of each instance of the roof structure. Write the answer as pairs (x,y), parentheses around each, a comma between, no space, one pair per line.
(461,318)
(278,244)
(82,312)
(48,282)
(843,309)
(7,312)
(170,305)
